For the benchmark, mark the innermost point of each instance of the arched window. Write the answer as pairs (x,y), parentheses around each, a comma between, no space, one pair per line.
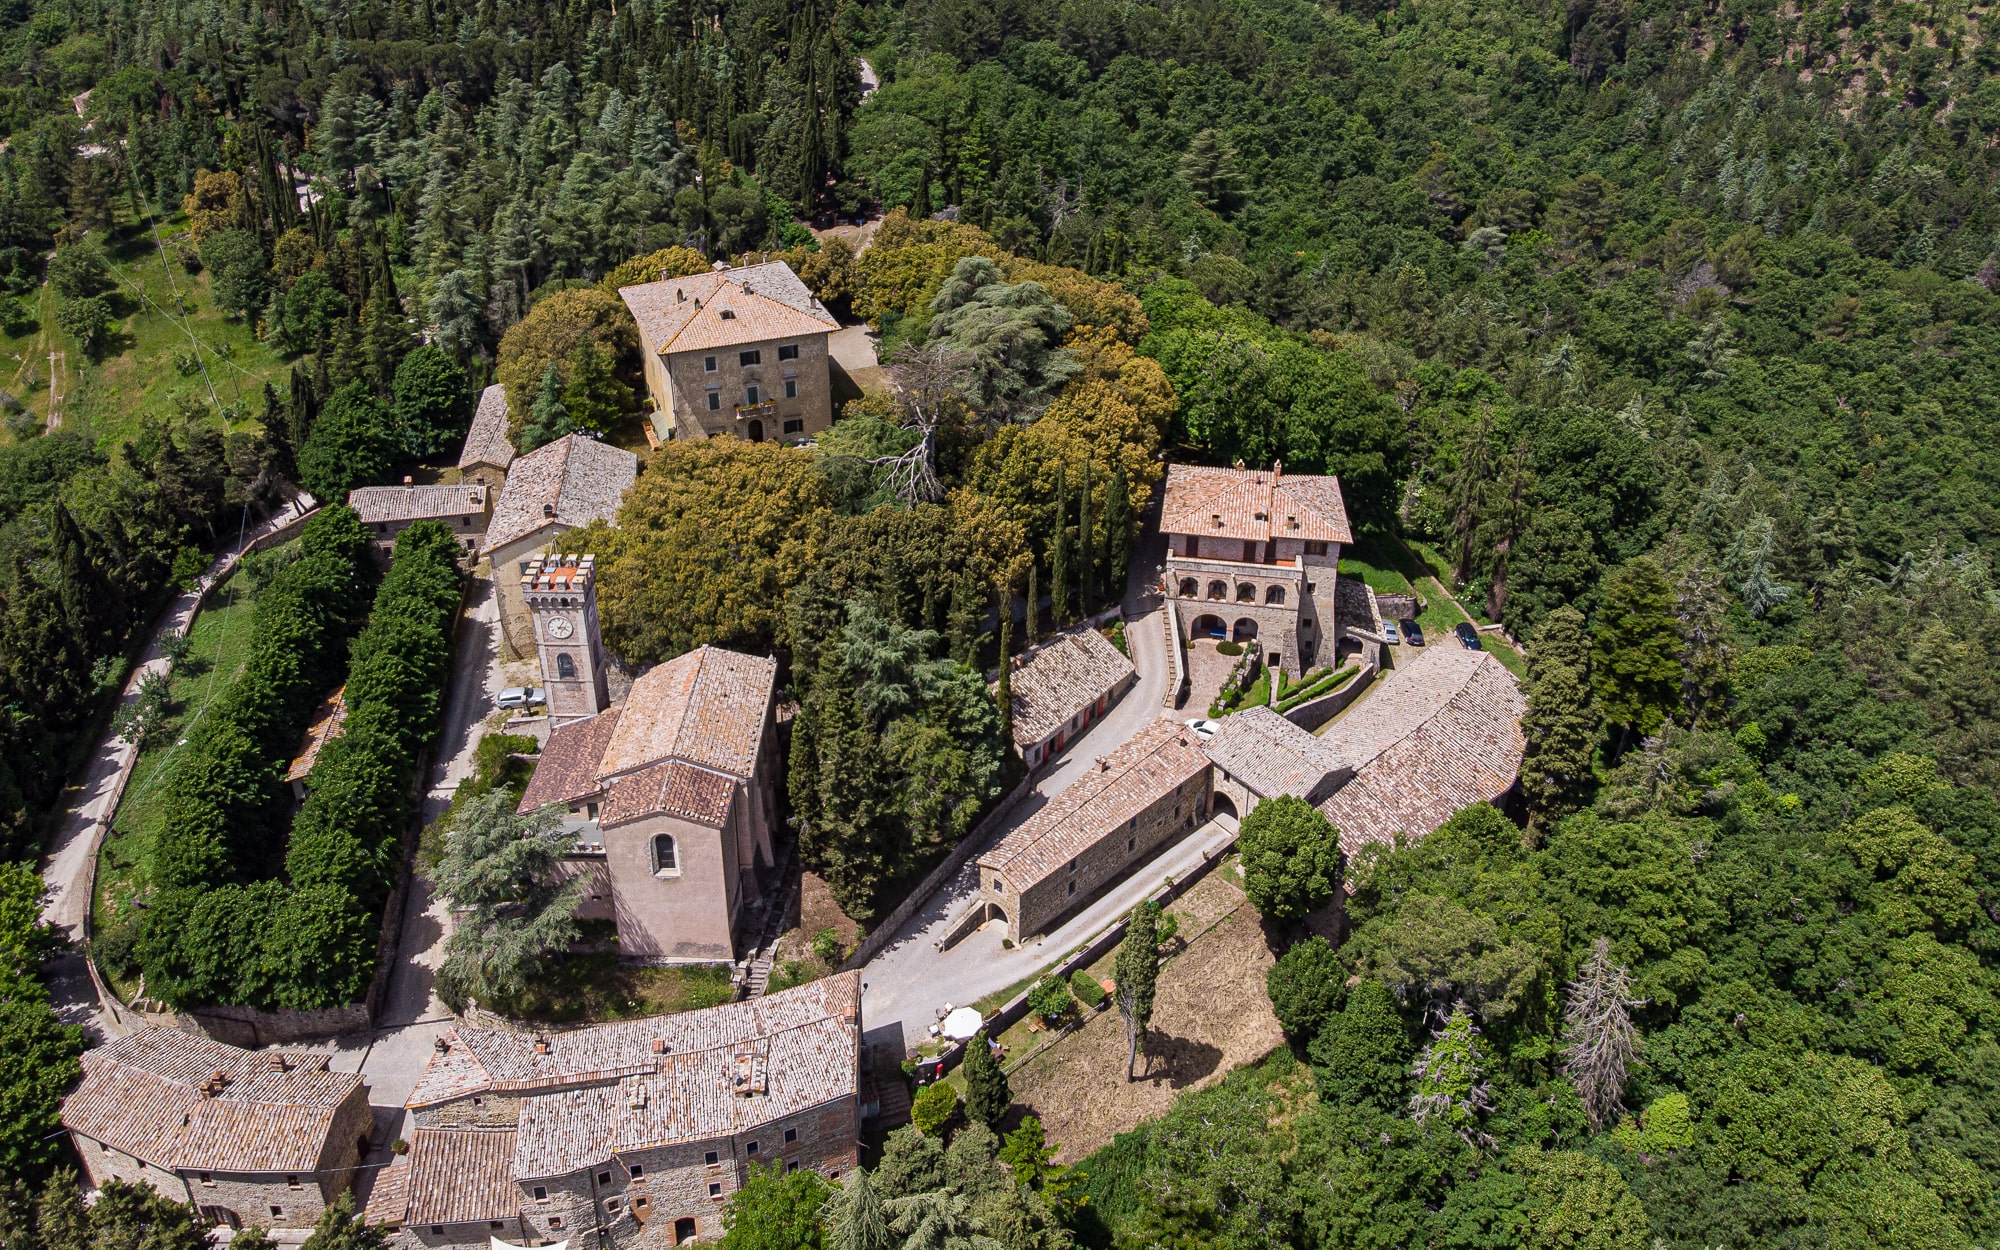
(565,667)
(666,857)
(1189,587)
(1218,590)
(1246,593)
(1275,594)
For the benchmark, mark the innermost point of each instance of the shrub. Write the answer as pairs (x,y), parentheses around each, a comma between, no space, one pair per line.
(1228,648)
(1050,1000)
(1087,990)
(1291,859)
(933,1108)
(1306,985)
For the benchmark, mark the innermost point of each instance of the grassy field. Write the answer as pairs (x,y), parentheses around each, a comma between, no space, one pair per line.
(218,648)
(148,368)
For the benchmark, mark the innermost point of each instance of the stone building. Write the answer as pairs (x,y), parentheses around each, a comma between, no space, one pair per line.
(487,451)
(1440,733)
(269,1138)
(387,511)
(552,490)
(1253,556)
(1061,688)
(671,800)
(621,1132)
(1129,804)
(561,595)
(736,351)
(1260,755)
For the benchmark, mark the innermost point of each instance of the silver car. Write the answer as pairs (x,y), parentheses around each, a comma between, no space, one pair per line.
(516,697)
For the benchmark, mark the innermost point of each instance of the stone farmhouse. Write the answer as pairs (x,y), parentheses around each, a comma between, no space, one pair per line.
(269,1138)
(1258,755)
(1440,733)
(736,351)
(552,490)
(487,451)
(625,1133)
(387,511)
(1134,800)
(1061,688)
(670,798)
(1253,556)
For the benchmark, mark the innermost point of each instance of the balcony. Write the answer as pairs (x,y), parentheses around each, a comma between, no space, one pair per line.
(1202,566)
(757,412)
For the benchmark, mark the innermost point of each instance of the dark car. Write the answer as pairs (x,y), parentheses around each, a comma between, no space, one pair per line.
(1467,635)
(1411,634)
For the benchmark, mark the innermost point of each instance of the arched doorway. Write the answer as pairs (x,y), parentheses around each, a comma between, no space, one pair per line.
(1246,629)
(1221,804)
(1207,626)
(756,431)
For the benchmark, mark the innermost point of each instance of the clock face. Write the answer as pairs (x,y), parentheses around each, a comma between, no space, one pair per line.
(560,627)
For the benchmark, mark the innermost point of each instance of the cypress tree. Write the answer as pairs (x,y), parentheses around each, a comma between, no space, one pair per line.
(1117,529)
(987,1097)
(1086,555)
(1034,604)
(1561,722)
(1059,556)
(1003,690)
(1138,974)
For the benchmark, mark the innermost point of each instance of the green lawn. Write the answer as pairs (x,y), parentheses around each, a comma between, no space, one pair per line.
(137,374)
(1391,566)
(219,646)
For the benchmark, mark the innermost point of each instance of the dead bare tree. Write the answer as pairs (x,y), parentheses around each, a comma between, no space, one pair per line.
(926,381)
(1599,1041)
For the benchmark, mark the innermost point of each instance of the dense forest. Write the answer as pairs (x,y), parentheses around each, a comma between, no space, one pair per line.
(1669,327)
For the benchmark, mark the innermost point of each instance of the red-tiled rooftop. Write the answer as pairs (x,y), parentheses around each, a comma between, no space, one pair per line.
(726,307)
(567,770)
(1254,504)
(708,707)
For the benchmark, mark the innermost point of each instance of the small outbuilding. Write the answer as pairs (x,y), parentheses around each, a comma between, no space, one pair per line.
(1061,688)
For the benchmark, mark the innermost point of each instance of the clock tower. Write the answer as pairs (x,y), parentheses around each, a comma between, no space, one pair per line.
(561,593)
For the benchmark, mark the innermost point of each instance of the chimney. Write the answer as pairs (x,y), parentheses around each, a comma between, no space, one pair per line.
(680,296)
(278,1061)
(541,1045)
(1277,469)
(659,1045)
(548,510)
(409,483)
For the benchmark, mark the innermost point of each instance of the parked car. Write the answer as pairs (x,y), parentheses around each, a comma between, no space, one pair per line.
(1411,633)
(1389,632)
(516,697)
(1204,728)
(1467,635)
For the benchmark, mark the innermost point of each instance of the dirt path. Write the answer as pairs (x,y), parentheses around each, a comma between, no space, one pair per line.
(1210,1015)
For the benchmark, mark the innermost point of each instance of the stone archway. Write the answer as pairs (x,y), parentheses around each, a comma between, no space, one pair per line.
(1221,803)
(1245,631)
(1207,625)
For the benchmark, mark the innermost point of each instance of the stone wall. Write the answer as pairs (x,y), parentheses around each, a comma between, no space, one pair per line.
(1034,909)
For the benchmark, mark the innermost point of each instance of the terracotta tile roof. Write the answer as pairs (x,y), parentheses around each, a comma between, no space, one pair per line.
(486,442)
(672,788)
(150,1095)
(707,707)
(592,1093)
(1158,759)
(459,1176)
(725,308)
(570,482)
(375,504)
(1253,504)
(1439,735)
(1062,678)
(389,1193)
(328,722)
(567,770)
(1272,756)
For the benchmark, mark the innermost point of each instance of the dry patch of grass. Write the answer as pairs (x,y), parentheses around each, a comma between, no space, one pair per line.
(1210,1015)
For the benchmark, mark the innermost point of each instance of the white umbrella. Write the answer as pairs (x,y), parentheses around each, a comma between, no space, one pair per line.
(961,1024)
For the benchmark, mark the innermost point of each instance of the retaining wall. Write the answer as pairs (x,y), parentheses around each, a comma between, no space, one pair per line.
(1318,711)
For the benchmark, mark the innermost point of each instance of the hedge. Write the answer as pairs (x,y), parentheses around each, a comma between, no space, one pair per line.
(233,924)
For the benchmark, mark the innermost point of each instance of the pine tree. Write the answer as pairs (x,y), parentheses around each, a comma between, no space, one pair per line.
(987,1097)
(1561,722)
(1634,659)
(385,338)
(855,1218)
(1138,974)
(548,420)
(1451,1081)
(1599,1041)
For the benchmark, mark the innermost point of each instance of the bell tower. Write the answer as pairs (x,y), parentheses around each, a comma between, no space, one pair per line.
(561,593)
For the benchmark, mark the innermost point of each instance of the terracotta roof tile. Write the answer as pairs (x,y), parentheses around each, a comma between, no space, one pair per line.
(1272,756)
(708,707)
(144,1095)
(486,442)
(461,1176)
(725,308)
(378,504)
(1440,735)
(591,1093)
(1157,760)
(570,482)
(567,770)
(1253,504)
(672,788)
(1060,679)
